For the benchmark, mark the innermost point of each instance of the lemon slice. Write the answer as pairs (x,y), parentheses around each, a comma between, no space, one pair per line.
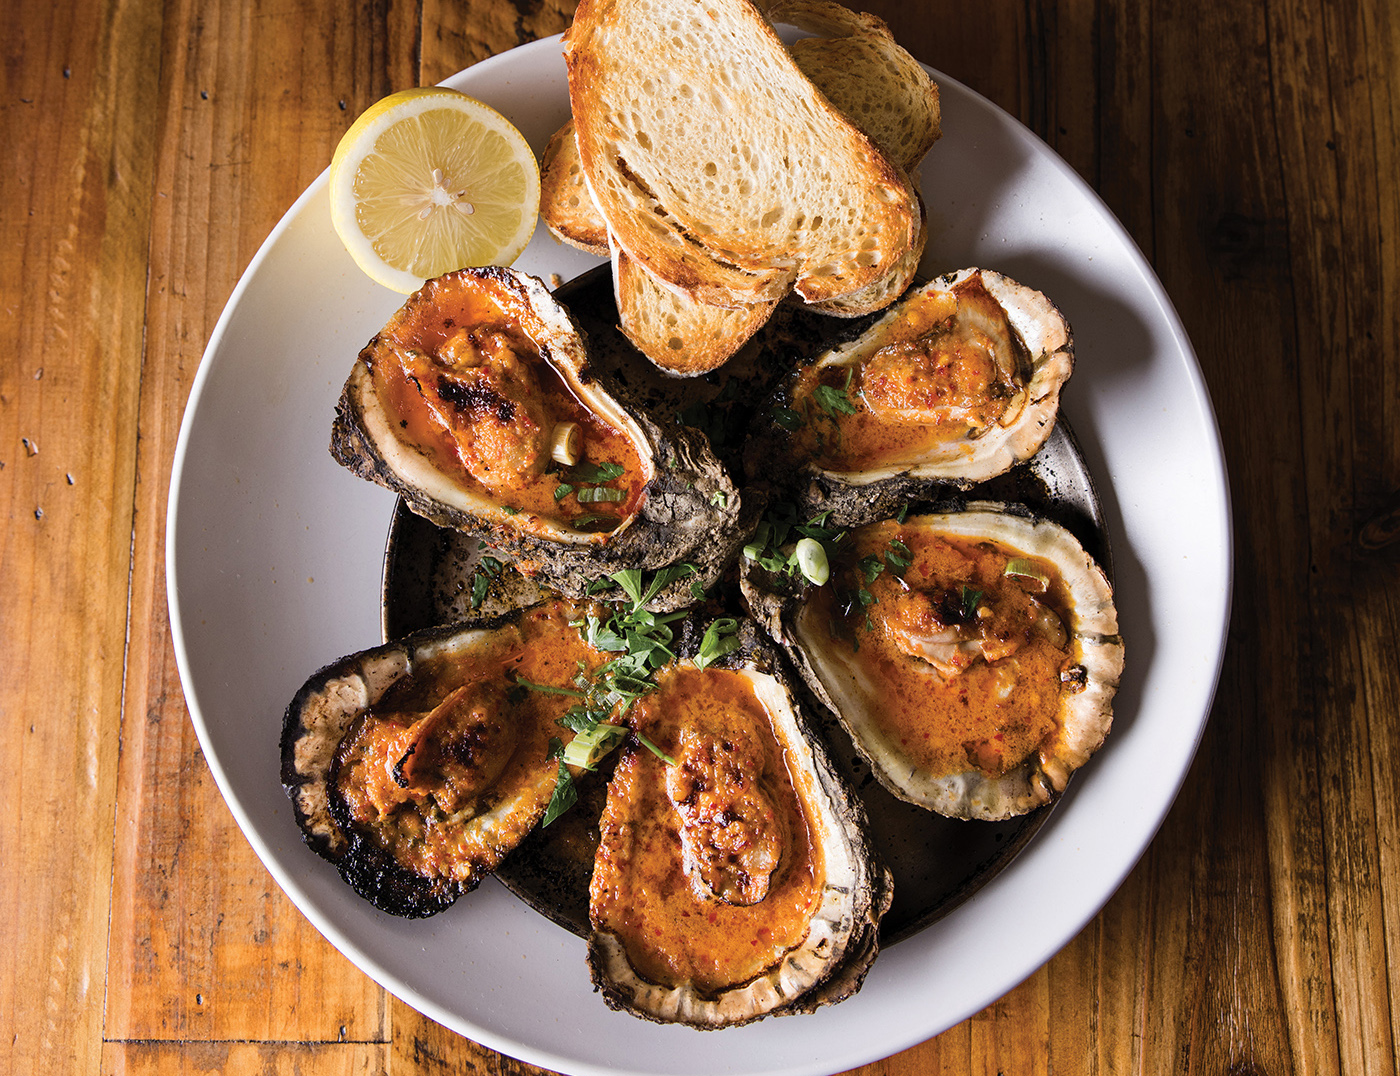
(430,180)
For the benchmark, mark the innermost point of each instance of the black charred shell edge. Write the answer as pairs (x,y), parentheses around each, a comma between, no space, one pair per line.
(874,897)
(369,870)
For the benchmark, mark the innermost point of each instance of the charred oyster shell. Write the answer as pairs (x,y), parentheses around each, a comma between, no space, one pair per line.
(463,404)
(738,882)
(416,766)
(971,655)
(955,384)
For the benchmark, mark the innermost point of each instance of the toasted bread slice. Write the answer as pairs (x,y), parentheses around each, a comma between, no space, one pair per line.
(715,161)
(565,203)
(869,78)
(682,337)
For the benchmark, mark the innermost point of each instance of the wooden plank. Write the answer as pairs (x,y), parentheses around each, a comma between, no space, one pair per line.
(984,47)
(203,943)
(459,33)
(423,1047)
(1329,145)
(267,1059)
(1222,252)
(1367,134)
(73,217)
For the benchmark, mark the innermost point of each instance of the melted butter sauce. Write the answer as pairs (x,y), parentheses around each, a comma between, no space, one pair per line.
(640,891)
(432,826)
(991,716)
(931,383)
(425,325)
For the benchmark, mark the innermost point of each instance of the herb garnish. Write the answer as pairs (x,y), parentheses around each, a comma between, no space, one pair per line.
(721,637)
(788,419)
(487,568)
(836,401)
(586,480)
(768,547)
(642,640)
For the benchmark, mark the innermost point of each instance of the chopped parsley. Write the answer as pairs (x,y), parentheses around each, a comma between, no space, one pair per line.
(836,401)
(487,568)
(788,419)
(642,641)
(769,547)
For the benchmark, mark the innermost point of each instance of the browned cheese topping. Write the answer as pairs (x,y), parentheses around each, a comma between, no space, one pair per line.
(422,770)
(461,378)
(949,369)
(706,870)
(970,661)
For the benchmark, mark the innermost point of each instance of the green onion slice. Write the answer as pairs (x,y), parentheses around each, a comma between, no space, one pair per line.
(1025,568)
(812,562)
(587,748)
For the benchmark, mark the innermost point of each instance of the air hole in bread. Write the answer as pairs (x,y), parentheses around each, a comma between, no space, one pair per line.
(710,169)
(770,218)
(674,343)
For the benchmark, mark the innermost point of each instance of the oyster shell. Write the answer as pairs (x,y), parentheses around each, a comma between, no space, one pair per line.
(739,882)
(416,766)
(971,655)
(463,405)
(955,384)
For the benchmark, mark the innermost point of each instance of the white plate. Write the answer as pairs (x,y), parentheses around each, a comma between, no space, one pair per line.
(274,557)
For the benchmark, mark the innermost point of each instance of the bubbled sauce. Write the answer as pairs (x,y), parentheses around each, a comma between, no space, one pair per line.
(925,367)
(945,726)
(427,821)
(433,316)
(640,891)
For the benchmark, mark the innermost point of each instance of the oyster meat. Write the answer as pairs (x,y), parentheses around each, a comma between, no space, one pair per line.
(955,384)
(736,881)
(476,403)
(416,766)
(972,656)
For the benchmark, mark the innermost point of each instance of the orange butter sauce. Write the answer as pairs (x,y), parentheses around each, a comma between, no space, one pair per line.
(946,386)
(640,892)
(424,825)
(991,716)
(433,317)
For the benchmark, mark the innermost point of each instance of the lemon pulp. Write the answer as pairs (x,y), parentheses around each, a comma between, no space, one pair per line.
(431,180)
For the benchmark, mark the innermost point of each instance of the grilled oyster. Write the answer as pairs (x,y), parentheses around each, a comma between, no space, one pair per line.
(737,882)
(416,766)
(958,382)
(971,655)
(477,405)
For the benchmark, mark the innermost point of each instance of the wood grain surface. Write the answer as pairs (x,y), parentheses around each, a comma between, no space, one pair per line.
(1249,146)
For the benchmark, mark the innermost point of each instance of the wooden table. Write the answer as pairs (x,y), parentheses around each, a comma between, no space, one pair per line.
(1249,147)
